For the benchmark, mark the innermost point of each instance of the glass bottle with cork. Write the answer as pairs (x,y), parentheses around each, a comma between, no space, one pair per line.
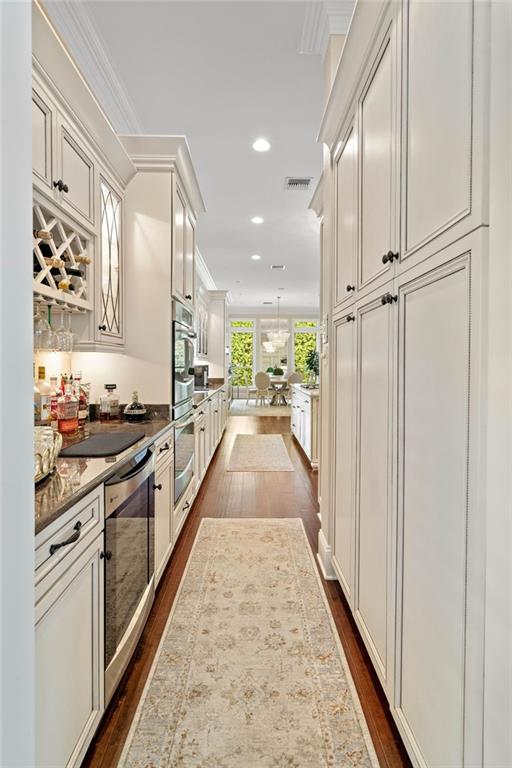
(109,404)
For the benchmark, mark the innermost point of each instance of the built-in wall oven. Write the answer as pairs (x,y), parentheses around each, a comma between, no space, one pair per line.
(182,397)
(182,359)
(129,561)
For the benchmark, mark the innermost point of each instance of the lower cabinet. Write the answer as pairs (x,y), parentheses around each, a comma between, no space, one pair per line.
(304,421)
(164,504)
(69,656)
(373,595)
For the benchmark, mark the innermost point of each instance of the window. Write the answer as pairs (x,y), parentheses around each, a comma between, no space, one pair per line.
(305,340)
(242,352)
(274,353)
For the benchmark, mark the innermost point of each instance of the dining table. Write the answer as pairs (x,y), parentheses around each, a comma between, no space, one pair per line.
(278,385)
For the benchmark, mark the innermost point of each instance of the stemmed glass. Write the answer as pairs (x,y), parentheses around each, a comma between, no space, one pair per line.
(44,337)
(72,337)
(62,335)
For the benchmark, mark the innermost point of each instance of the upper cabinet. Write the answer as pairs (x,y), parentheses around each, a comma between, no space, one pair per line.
(74,182)
(184,243)
(346,218)
(442,124)
(379,160)
(110,273)
(43,117)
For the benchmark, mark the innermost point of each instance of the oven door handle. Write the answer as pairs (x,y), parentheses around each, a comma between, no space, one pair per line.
(119,488)
(177,425)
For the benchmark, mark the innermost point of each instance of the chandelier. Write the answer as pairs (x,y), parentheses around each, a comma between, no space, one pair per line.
(280,337)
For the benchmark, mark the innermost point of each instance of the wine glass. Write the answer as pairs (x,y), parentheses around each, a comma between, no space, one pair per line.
(62,335)
(72,337)
(43,334)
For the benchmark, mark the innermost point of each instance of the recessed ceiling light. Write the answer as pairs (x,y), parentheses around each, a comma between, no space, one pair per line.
(255,257)
(257,220)
(261,145)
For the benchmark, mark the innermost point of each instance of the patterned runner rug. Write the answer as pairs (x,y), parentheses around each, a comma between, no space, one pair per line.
(259,453)
(250,672)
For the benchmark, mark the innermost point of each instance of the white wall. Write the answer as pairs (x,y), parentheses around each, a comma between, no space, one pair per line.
(17,737)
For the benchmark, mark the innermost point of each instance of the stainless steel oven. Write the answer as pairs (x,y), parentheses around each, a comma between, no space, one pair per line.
(183,454)
(182,359)
(129,561)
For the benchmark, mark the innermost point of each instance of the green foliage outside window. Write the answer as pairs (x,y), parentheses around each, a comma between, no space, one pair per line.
(305,324)
(303,344)
(242,357)
(242,323)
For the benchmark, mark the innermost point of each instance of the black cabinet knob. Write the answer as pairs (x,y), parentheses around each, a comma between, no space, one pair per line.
(389,256)
(61,186)
(202,429)
(106,555)
(388,298)
(188,296)
(157,487)
(350,288)
(165,447)
(102,327)
(350,318)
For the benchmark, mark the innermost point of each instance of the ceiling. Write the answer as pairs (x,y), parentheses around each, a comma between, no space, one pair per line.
(223,74)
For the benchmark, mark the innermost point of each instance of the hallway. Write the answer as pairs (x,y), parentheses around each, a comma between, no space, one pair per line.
(244,494)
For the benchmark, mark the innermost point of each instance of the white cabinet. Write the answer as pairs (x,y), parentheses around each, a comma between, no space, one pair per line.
(75,173)
(346,219)
(69,657)
(441,554)
(43,119)
(373,608)
(443,130)
(109,314)
(183,254)
(344,385)
(379,160)
(164,504)
(304,421)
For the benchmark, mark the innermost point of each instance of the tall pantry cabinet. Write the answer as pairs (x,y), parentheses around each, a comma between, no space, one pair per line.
(406,127)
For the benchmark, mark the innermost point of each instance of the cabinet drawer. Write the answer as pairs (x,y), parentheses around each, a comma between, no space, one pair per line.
(164,446)
(85,518)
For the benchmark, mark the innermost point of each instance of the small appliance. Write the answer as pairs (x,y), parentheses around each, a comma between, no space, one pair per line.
(200,376)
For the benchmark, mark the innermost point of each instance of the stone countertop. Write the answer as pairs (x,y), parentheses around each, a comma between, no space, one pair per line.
(306,391)
(73,478)
(200,395)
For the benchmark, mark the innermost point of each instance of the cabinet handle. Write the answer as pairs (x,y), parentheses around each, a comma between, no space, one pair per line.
(106,555)
(74,537)
(202,429)
(157,487)
(186,506)
(389,256)
(165,447)
(61,186)
(188,296)
(350,288)
(350,318)
(102,327)
(388,298)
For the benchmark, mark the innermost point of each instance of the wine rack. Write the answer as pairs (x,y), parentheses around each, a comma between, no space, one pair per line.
(57,242)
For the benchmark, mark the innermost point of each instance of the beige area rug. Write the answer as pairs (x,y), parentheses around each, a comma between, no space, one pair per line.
(259,453)
(241,408)
(250,672)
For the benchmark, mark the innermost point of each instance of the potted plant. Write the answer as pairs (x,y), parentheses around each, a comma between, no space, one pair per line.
(312,366)
(278,371)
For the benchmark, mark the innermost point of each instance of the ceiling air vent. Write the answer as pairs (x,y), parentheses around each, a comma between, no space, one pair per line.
(278,266)
(267,302)
(301,183)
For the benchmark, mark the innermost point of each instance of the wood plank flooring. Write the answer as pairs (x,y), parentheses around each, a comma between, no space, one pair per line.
(245,494)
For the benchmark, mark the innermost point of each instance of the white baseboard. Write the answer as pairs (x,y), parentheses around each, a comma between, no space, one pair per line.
(324,558)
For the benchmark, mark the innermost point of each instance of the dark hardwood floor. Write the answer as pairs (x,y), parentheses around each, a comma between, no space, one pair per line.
(237,494)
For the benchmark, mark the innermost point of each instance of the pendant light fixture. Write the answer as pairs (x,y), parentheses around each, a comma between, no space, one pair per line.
(280,337)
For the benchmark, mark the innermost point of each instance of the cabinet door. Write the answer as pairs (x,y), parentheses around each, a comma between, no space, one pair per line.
(344,459)
(75,169)
(42,139)
(110,279)
(439,94)
(189,259)
(306,437)
(164,477)
(178,256)
(69,659)
(440,526)
(378,163)
(374,502)
(346,220)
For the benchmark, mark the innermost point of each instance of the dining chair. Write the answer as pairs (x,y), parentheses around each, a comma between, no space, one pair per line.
(262,390)
(293,378)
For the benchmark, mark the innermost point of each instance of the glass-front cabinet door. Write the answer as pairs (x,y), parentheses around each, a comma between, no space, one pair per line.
(110,305)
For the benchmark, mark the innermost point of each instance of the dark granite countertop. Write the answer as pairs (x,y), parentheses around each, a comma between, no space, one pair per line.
(74,478)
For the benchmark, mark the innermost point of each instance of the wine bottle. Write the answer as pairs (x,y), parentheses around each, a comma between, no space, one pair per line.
(42,234)
(83,258)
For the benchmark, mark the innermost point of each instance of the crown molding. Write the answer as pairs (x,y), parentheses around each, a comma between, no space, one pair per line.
(82,39)
(322,19)
(317,201)
(204,273)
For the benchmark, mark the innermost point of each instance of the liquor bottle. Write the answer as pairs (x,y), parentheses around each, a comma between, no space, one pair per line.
(43,398)
(37,412)
(83,400)
(109,404)
(54,396)
(67,411)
